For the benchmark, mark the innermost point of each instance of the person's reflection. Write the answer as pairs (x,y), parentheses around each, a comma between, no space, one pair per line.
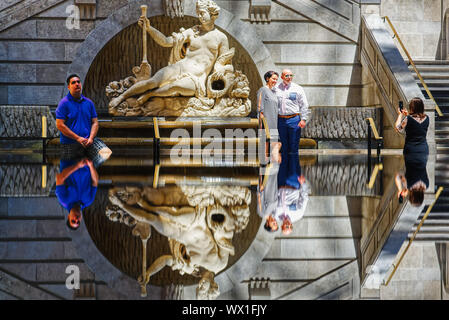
(267,197)
(76,186)
(293,193)
(415,181)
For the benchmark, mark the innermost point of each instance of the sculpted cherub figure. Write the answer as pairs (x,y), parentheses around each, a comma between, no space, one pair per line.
(195,54)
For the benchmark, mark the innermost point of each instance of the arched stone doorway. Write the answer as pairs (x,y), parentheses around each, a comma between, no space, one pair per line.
(115,46)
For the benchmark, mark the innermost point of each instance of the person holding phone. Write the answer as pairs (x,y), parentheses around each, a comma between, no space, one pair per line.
(414,124)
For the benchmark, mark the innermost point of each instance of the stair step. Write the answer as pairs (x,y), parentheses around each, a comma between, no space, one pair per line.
(427,76)
(430,237)
(330,248)
(32,207)
(429,62)
(436,215)
(434,83)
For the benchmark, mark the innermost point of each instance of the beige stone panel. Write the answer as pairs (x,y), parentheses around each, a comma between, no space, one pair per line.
(384,80)
(382,227)
(281,13)
(404,27)
(317,53)
(430,256)
(58,11)
(369,49)
(367,254)
(408,274)
(429,27)
(413,43)
(430,46)
(106,7)
(283,31)
(56,29)
(431,290)
(322,227)
(70,50)
(432,10)
(410,10)
(237,8)
(370,9)
(413,257)
(408,290)
(324,74)
(318,33)
(308,53)
(320,96)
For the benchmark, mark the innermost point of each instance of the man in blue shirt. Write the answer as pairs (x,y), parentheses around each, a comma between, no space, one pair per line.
(76,186)
(76,117)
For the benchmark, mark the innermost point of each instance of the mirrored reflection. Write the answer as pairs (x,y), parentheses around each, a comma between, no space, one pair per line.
(196,223)
(293,193)
(283,195)
(76,187)
(413,182)
(77,181)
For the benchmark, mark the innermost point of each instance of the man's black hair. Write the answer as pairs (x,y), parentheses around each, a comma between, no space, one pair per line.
(70,226)
(70,77)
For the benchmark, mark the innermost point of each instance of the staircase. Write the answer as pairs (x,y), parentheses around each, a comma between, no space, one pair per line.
(436,76)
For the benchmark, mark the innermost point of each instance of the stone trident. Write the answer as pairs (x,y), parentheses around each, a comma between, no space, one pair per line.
(144,71)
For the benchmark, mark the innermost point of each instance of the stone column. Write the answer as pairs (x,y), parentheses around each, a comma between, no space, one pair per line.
(444,40)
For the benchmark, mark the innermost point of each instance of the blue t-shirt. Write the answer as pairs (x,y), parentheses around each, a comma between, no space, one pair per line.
(77,187)
(77,114)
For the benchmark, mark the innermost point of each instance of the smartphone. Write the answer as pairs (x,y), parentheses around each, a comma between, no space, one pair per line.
(401,106)
(401,199)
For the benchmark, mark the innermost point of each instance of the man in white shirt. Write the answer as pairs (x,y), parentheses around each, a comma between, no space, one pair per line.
(293,112)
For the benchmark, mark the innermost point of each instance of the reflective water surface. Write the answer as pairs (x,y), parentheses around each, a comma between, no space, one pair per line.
(174,231)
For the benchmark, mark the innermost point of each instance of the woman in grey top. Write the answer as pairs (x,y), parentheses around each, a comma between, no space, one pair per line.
(267,107)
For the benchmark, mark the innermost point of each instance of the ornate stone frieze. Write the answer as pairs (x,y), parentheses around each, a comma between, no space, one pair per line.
(174,8)
(87,8)
(340,123)
(26,122)
(259,10)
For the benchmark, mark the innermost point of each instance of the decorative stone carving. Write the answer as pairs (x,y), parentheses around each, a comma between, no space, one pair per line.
(339,178)
(87,9)
(25,180)
(340,123)
(26,121)
(259,10)
(199,222)
(174,8)
(199,79)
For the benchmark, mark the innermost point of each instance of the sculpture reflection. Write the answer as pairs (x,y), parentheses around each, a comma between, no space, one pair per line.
(76,186)
(199,223)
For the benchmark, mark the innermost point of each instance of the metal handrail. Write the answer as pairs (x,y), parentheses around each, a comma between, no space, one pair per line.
(378,167)
(437,108)
(374,129)
(440,189)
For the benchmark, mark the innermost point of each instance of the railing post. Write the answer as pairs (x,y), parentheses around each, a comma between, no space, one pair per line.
(369,149)
(156,142)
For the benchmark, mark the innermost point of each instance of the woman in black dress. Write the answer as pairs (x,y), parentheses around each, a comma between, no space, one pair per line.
(414,124)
